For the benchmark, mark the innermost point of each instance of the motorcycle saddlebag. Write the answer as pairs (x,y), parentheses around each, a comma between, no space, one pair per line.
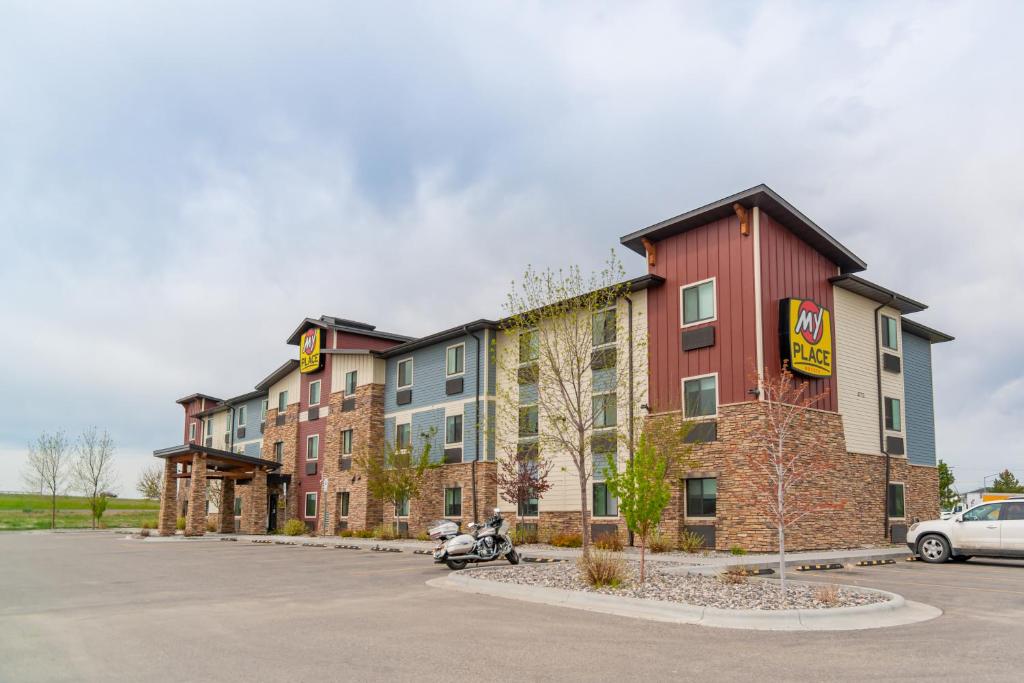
(460,545)
(443,528)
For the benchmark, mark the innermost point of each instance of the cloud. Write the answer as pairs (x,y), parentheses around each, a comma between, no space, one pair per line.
(181,183)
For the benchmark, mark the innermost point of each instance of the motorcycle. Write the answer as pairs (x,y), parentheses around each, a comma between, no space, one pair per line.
(484,543)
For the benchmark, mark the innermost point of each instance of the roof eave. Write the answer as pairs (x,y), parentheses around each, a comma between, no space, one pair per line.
(875,292)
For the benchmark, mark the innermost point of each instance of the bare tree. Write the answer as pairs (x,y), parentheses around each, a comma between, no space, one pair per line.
(788,453)
(151,481)
(49,460)
(566,369)
(93,470)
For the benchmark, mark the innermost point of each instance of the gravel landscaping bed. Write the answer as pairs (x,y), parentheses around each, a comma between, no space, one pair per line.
(704,591)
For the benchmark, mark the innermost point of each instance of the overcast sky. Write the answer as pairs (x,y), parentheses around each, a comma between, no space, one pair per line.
(181,183)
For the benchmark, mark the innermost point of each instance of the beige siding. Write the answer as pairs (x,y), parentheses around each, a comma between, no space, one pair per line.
(289,383)
(856,357)
(220,430)
(369,369)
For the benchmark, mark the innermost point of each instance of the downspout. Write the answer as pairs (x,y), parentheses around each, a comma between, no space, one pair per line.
(881,409)
(629,325)
(476,456)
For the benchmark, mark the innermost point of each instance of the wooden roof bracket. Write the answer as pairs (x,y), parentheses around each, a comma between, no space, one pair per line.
(649,248)
(743,215)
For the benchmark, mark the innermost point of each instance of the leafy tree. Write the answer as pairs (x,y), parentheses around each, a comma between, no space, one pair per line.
(561,326)
(399,473)
(1007,483)
(150,481)
(948,497)
(643,489)
(523,475)
(49,460)
(93,470)
(785,465)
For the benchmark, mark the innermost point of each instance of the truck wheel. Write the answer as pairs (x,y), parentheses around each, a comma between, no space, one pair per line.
(934,549)
(456,565)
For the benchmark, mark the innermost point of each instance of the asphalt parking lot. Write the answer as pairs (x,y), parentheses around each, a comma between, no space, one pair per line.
(96,607)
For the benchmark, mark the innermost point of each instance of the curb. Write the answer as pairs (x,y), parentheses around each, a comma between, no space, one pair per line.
(896,612)
(818,567)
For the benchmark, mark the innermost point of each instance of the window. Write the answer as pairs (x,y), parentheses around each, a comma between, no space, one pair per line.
(983,513)
(311,504)
(604,504)
(282,401)
(279,451)
(343,507)
(456,360)
(528,421)
(700,396)
(314,393)
(453,429)
(208,427)
(241,416)
(405,373)
(701,497)
(698,302)
(604,327)
(602,446)
(191,431)
(529,346)
(313,447)
(1012,512)
(346,442)
(403,436)
(402,508)
(453,502)
(896,508)
(238,505)
(889,333)
(893,420)
(529,507)
(264,406)
(350,383)
(604,411)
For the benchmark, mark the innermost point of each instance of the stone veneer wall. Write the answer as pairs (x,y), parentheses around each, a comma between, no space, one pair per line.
(856,480)
(429,507)
(366,421)
(288,434)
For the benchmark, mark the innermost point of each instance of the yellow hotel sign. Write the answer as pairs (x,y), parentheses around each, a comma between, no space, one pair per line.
(310,358)
(806,337)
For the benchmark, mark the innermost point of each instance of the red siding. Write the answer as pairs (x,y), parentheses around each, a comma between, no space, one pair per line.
(792,268)
(357,341)
(715,250)
(191,408)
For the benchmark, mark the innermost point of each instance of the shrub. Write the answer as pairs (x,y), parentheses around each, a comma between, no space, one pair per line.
(608,541)
(733,575)
(690,542)
(211,524)
(363,533)
(294,527)
(524,535)
(827,594)
(659,543)
(601,568)
(346,533)
(738,550)
(144,531)
(147,525)
(566,540)
(180,524)
(423,536)
(384,532)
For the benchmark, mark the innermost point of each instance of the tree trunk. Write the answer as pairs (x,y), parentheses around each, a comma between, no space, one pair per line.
(782,542)
(643,548)
(53,508)
(583,515)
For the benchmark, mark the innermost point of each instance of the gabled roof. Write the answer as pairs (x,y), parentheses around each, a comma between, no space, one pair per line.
(761,196)
(869,290)
(277,375)
(438,337)
(328,322)
(193,397)
(917,329)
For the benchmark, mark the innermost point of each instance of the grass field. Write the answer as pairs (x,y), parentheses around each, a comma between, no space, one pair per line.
(19,511)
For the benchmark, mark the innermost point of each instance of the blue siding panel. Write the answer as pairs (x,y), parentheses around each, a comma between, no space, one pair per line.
(428,376)
(919,394)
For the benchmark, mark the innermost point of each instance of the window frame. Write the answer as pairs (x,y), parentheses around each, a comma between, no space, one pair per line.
(309,394)
(714,302)
(531,509)
(894,339)
(192,431)
(346,436)
(462,423)
(893,418)
(903,490)
(208,427)
(682,396)
(282,401)
(528,406)
(402,508)
(279,451)
(398,373)
(703,498)
(615,406)
(243,413)
(614,311)
(609,498)
(354,374)
(308,439)
(344,504)
(398,444)
(264,409)
(447,512)
(457,373)
(535,332)
(305,507)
